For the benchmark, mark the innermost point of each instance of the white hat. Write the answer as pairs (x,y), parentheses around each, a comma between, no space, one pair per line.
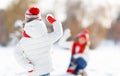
(33,12)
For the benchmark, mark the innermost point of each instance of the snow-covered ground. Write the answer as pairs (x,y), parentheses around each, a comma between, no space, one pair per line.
(104,61)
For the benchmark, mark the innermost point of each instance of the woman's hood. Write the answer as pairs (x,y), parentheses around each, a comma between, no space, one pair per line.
(35,29)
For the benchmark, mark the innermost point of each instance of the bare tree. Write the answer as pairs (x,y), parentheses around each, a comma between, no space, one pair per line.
(114,31)
(77,12)
(14,12)
(8,17)
(3,30)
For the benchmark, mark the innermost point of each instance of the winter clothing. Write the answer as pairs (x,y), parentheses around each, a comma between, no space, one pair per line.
(45,74)
(79,55)
(26,35)
(63,42)
(84,34)
(33,50)
(77,65)
(81,64)
(76,48)
(51,20)
(33,12)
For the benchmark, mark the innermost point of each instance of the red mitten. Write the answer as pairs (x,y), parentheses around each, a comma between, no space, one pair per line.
(51,19)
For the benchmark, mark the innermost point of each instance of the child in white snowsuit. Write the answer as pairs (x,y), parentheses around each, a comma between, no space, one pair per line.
(33,50)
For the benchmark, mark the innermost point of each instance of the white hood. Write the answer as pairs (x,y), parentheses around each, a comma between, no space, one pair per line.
(35,28)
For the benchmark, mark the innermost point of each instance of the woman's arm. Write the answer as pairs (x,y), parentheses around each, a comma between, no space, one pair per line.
(63,41)
(58,30)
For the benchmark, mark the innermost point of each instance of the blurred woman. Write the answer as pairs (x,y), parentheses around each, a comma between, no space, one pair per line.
(79,52)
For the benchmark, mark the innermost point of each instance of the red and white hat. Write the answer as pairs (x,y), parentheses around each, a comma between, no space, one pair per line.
(85,35)
(33,12)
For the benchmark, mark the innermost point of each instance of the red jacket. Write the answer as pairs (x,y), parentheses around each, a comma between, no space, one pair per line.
(80,47)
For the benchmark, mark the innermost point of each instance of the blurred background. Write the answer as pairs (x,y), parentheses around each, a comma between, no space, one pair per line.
(101,17)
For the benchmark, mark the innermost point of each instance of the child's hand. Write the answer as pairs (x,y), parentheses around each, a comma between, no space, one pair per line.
(50,19)
(67,33)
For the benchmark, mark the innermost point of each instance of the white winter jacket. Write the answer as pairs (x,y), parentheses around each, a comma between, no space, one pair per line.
(37,48)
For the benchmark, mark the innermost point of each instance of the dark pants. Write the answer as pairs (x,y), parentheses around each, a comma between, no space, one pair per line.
(81,64)
(48,74)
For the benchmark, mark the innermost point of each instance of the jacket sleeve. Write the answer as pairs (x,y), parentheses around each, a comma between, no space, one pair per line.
(63,40)
(57,33)
(73,48)
(22,59)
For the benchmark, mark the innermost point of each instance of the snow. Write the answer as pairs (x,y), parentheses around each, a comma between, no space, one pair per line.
(104,61)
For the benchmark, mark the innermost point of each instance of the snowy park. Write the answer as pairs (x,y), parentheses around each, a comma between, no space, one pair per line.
(103,61)
(79,37)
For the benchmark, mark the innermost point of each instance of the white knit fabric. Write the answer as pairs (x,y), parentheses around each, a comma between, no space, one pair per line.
(37,48)
(28,15)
